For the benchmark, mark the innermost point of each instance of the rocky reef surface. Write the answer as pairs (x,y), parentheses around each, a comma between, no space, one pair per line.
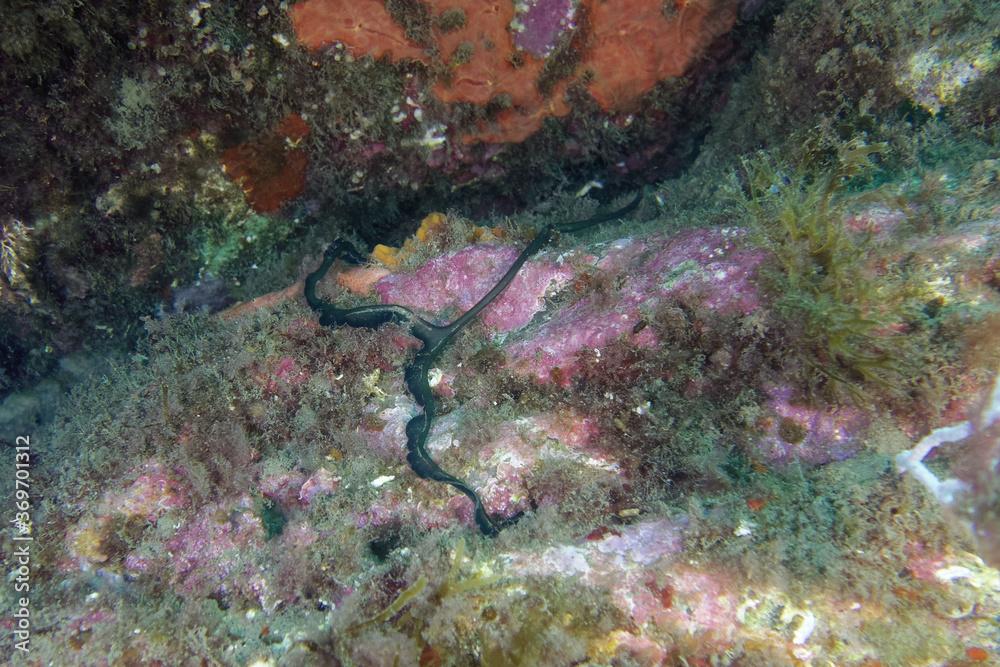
(753,421)
(681,490)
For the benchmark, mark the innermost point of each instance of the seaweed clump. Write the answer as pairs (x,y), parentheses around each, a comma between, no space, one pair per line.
(466,613)
(852,320)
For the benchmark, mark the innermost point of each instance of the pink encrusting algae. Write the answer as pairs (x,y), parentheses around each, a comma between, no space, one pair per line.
(454,282)
(710,268)
(539,25)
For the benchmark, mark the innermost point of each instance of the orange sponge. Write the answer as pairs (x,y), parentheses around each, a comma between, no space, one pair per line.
(271,169)
(634,45)
(363,25)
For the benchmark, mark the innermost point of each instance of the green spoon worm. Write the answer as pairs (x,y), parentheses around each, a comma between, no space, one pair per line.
(434,338)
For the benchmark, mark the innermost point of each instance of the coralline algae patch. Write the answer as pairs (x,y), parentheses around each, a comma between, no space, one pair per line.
(154,492)
(708,271)
(222,550)
(616,561)
(297,489)
(673,603)
(539,25)
(667,597)
(454,282)
(217,549)
(669,604)
(215,552)
(711,269)
(707,268)
(502,464)
(794,431)
(506,465)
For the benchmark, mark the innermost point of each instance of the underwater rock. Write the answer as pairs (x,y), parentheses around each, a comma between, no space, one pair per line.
(208,295)
(637,565)
(97,538)
(321,482)
(454,282)
(543,413)
(505,464)
(749,419)
(283,488)
(813,435)
(499,51)
(502,463)
(711,269)
(218,552)
(272,168)
(635,44)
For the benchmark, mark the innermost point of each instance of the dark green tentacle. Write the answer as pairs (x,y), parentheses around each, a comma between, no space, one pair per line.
(434,338)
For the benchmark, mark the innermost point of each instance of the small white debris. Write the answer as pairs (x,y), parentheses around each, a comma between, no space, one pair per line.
(380,481)
(953,572)
(281,40)
(745,606)
(602,465)
(433,137)
(434,377)
(805,628)
(588,186)
(802,654)
(911,460)
(745,529)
